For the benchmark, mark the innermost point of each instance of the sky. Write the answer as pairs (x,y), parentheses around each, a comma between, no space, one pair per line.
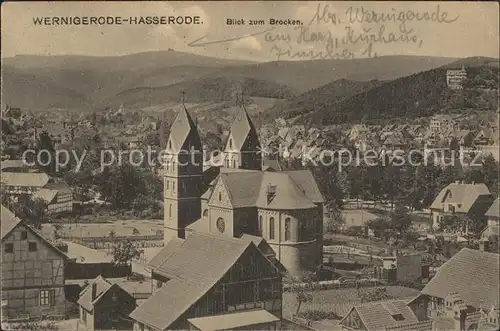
(472,30)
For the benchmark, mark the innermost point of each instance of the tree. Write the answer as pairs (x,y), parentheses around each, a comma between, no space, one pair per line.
(124,252)
(46,152)
(32,211)
(375,294)
(301,288)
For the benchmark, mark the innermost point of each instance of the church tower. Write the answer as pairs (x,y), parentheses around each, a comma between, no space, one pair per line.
(183,175)
(243,150)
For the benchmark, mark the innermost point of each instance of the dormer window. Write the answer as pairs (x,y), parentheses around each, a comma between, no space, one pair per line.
(398,317)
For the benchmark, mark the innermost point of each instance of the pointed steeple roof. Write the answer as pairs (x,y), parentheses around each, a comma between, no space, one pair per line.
(183,128)
(242,128)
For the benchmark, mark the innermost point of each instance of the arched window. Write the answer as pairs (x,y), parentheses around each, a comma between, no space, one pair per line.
(205,213)
(221,226)
(170,144)
(170,210)
(230,143)
(259,226)
(288,225)
(220,196)
(167,185)
(234,163)
(271,228)
(173,186)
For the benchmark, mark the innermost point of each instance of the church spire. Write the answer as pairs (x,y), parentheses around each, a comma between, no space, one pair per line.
(183,131)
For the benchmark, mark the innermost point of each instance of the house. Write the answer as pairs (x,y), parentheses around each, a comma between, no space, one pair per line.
(455,78)
(357,130)
(17,183)
(441,123)
(105,305)
(58,196)
(489,237)
(208,277)
(469,200)
(394,315)
(32,272)
(464,292)
(14,166)
(485,137)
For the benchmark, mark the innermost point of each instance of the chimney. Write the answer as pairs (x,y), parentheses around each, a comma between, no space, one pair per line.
(94,290)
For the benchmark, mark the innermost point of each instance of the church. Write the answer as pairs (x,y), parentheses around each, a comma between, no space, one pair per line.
(239,196)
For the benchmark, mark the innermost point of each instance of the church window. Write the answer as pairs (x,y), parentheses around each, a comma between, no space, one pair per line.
(221,226)
(288,225)
(271,228)
(173,186)
(205,213)
(230,143)
(259,226)
(220,196)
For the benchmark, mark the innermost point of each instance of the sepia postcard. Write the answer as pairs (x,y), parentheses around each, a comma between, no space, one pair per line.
(250,165)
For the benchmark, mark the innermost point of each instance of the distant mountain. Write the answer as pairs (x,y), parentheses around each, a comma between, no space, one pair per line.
(138,61)
(421,94)
(217,89)
(320,99)
(85,82)
(307,75)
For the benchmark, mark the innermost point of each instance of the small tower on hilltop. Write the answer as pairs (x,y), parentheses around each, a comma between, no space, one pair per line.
(183,176)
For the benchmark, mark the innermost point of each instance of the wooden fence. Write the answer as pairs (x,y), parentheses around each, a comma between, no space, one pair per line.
(106,242)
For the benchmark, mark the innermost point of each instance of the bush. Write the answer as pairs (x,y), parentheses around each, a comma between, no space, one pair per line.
(318,315)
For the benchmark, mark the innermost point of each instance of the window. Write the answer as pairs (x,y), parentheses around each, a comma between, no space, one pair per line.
(205,213)
(220,196)
(173,186)
(168,184)
(259,226)
(24,235)
(9,248)
(271,228)
(170,210)
(84,315)
(170,144)
(46,297)
(159,283)
(288,225)
(230,143)
(234,163)
(398,317)
(32,247)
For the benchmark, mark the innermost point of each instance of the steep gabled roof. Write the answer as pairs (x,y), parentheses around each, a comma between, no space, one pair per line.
(242,129)
(193,268)
(183,130)
(494,209)
(25,179)
(455,276)
(463,194)
(378,315)
(242,187)
(86,300)
(8,221)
